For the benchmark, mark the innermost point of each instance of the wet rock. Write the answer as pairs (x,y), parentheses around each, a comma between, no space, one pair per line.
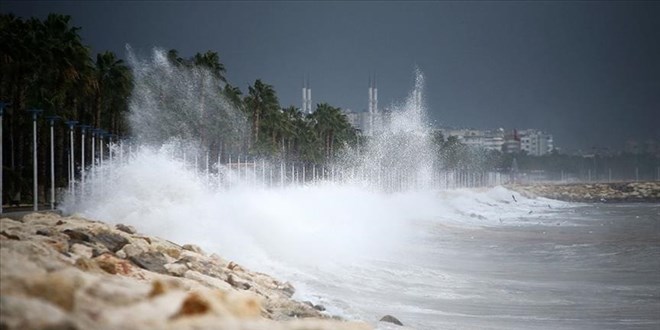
(390,319)
(319,308)
(126,229)
(151,261)
(112,241)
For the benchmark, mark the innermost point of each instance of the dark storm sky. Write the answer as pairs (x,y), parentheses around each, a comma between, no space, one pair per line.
(588,72)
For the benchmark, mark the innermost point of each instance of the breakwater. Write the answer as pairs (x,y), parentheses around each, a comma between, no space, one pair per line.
(73,273)
(611,192)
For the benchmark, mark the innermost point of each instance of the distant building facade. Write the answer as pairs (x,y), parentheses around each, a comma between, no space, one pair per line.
(533,142)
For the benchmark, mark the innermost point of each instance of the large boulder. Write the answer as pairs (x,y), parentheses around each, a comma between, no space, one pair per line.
(390,319)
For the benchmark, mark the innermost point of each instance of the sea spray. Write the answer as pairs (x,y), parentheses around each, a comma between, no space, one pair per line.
(184,103)
(254,212)
(398,155)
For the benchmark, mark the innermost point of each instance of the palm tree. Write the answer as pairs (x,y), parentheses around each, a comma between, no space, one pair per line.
(332,127)
(260,101)
(211,61)
(233,95)
(113,85)
(174,58)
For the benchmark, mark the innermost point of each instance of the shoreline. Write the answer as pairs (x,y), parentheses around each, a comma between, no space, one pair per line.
(75,273)
(611,192)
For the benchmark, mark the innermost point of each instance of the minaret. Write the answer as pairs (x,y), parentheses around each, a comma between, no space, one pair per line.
(304,97)
(371,97)
(375,101)
(309,97)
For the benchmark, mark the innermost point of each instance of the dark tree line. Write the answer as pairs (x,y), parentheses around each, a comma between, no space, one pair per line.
(45,65)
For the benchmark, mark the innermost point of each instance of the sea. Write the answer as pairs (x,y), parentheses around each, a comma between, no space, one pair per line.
(478,258)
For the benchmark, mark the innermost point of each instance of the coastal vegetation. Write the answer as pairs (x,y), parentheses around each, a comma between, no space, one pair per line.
(46,65)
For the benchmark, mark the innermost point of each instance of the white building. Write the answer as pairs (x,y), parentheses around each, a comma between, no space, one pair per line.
(535,142)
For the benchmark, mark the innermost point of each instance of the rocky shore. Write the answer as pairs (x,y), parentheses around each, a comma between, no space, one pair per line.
(72,273)
(615,192)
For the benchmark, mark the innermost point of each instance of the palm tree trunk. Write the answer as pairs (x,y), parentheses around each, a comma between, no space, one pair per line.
(97,113)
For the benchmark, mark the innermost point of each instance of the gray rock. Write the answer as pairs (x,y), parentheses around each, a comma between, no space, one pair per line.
(151,261)
(114,242)
(390,319)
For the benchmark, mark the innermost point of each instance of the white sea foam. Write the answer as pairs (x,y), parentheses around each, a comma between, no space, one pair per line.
(299,224)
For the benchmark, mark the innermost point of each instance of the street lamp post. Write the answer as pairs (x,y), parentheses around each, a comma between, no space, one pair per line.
(93,132)
(71,124)
(35,197)
(102,136)
(2,110)
(83,129)
(51,122)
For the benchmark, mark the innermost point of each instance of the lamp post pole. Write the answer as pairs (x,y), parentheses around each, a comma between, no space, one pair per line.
(93,132)
(2,110)
(71,124)
(51,122)
(35,183)
(83,129)
(102,135)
